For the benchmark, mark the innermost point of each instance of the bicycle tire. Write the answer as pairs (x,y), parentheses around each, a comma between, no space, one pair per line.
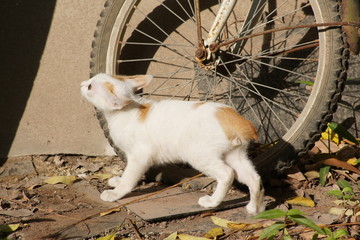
(315,113)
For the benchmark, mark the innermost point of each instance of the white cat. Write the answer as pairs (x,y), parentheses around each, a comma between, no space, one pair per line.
(211,137)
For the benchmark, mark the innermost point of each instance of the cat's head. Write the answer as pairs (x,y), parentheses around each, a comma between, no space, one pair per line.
(109,93)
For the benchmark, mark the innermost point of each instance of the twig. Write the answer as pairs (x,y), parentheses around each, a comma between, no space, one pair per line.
(136,230)
(345,174)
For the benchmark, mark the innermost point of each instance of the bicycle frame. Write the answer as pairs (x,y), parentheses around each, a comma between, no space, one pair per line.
(221,18)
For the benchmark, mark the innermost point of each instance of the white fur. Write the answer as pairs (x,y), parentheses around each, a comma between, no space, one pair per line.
(171,132)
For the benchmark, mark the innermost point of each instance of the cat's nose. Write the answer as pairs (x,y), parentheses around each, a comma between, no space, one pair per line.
(83,83)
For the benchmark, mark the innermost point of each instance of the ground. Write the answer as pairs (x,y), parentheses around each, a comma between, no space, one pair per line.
(41,207)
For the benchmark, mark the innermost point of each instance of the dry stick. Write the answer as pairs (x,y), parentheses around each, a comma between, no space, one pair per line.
(135,230)
(129,202)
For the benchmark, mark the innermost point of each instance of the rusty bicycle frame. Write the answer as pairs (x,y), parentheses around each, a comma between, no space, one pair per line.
(207,46)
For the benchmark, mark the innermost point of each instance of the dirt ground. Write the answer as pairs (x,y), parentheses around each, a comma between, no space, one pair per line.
(43,210)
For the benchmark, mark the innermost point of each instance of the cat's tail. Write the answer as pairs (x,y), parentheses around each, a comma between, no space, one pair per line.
(238,129)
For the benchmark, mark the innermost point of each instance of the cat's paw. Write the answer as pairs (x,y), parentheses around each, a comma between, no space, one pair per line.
(208,202)
(110,195)
(252,208)
(114,181)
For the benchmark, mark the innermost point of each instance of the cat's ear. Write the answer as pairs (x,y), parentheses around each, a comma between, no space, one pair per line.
(139,81)
(116,103)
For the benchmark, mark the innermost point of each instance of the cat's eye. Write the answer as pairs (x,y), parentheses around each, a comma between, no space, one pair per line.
(89,87)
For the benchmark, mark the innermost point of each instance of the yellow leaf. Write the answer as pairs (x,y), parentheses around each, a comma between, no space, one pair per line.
(301,201)
(172,236)
(68,180)
(189,237)
(330,134)
(214,232)
(352,161)
(221,222)
(9,228)
(245,226)
(108,237)
(107,212)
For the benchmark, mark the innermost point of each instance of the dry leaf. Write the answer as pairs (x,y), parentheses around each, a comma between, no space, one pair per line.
(68,180)
(298,176)
(17,212)
(302,201)
(214,232)
(221,222)
(312,174)
(245,226)
(9,228)
(172,236)
(189,237)
(341,211)
(108,237)
(337,163)
(102,176)
(337,211)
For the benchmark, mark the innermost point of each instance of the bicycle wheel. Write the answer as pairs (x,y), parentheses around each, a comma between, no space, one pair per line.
(286,82)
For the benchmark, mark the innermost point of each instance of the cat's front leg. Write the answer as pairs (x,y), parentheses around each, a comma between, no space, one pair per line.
(111,195)
(114,181)
(124,184)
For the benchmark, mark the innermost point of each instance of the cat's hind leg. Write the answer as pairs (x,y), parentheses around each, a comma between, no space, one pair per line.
(245,173)
(123,185)
(224,176)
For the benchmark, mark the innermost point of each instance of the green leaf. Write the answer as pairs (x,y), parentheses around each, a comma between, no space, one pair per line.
(347,197)
(338,193)
(270,214)
(271,231)
(324,171)
(315,236)
(340,233)
(287,237)
(348,190)
(294,212)
(343,132)
(306,82)
(306,222)
(327,231)
(343,184)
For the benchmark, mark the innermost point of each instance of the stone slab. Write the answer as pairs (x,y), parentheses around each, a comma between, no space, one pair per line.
(177,202)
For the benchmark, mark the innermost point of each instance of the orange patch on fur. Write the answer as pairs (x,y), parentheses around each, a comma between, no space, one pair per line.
(122,78)
(198,104)
(144,110)
(235,125)
(109,87)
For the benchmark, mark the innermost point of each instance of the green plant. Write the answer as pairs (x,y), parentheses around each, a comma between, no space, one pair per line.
(292,216)
(345,192)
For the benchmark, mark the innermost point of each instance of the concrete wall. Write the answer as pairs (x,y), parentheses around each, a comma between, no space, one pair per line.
(45,49)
